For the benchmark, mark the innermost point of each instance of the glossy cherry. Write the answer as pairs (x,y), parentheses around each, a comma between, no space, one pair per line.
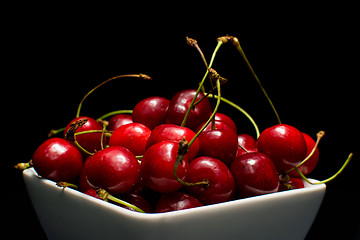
(254,174)
(221,184)
(166,132)
(247,142)
(91,142)
(176,201)
(119,120)
(179,105)
(132,136)
(284,144)
(226,119)
(151,111)
(220,143)
(114,169)
(307,167)
(157,167)
(57,159)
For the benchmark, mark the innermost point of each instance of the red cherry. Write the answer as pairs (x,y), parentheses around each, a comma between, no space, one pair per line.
(92,193)
(136,200)
(254,174)
(114,169)
(91,142)
(151,111)
(220,143)
(166,132)
(247,142)
(176,201)
(221,187)
(284,144)
(157,167)
(307,167)
(179,105)
(84,184)
(132,136)
(119,120)
(57,159)
(293,183)
(224,118)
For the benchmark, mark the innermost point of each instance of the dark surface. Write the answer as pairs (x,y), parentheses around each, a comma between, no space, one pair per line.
(307,61)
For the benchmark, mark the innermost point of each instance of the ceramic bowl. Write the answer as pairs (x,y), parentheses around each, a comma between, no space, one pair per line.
(69,214)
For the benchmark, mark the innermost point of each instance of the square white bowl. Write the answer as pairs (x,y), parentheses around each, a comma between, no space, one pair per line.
(69,214)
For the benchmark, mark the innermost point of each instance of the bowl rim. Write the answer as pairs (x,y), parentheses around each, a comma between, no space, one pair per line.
(30,173)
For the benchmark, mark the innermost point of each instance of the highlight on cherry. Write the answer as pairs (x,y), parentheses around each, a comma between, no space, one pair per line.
(164,155)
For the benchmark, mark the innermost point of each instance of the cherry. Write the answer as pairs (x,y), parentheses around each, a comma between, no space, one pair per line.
(119,120)
(179,105)
(92,193)
(220,143)
(307,167)
(133,136)
(173,132)
(84,184)
(246,144)
(284,144)
(114,169)
(91,142)
(136,200)
(58,160)
(292,183)
(176,201)
(221,184)
(224,118)
(254,174)
(157,167)
(151,111)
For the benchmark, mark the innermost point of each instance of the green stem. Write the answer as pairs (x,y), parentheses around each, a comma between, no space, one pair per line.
(319,136)
(236,43)
(104,195)
(110,114)
(56,131)
(66,184)
(200,85)
(242,111)
(184,145)
(142,76)
(330,178)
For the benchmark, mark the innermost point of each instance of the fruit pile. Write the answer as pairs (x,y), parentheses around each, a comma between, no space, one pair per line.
(166,155)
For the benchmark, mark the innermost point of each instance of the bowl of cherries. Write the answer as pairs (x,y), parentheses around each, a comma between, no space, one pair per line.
(176,169)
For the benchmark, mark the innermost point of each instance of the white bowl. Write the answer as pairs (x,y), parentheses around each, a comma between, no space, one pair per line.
(69,214)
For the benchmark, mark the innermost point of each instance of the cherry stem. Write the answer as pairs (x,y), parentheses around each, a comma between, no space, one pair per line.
(243,148)
(237,45)
(200,85)
(184,145)
(319,135)
(110,114)
(193,43)
(330,178)
(55,131)
(23,166)
(241,110)
(142,76)
(66,184)
(102,136)
(104,195)
(182,150)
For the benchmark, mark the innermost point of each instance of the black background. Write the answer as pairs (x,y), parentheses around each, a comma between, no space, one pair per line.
(306,57)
